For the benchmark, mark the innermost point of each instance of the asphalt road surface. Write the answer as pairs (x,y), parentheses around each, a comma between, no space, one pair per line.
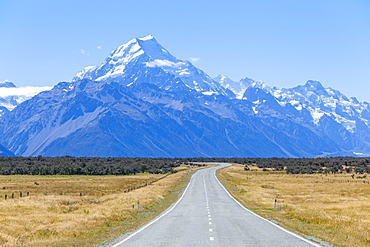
(206,215)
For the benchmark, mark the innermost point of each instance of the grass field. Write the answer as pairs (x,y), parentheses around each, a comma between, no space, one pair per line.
(88,210)
(335,208)
(81,210)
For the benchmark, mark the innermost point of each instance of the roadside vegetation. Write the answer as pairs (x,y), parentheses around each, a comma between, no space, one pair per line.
(299,165)
(324,203)
(83,210)
(68,165)
(68,201)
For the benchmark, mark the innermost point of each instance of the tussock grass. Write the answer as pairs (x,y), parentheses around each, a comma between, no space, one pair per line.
(324,206)
(56,215)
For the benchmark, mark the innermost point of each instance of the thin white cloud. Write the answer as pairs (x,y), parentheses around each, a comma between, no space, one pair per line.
(99,47)
(22,91)
(162,63)
(194,59)
(83,52)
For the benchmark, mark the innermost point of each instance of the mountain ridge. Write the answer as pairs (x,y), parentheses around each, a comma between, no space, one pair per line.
(144,102)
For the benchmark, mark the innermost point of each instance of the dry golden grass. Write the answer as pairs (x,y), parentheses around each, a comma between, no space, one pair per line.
(56,215)
(324,206)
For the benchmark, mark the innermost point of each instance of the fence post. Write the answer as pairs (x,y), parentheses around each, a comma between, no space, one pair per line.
(138,206)
(275,203)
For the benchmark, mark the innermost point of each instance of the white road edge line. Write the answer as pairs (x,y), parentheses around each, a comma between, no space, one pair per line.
(281,228)
(159,217)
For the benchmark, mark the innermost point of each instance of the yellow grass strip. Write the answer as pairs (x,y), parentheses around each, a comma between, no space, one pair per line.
(80,210)
(325,206)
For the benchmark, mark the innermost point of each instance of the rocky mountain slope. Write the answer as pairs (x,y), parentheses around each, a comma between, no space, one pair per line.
(142,101)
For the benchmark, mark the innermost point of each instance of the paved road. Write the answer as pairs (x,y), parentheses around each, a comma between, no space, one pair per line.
(206,215)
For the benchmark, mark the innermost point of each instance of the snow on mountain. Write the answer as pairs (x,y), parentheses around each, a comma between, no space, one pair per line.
(11,96)
(112,119)
(134,61)
(226,82)
(322,101)
(312,96)
(344,120)
(238,88)
(142,101)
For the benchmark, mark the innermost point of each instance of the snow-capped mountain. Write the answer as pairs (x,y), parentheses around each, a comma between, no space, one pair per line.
(312,96)
(322,101)
(7,102)
(345,120)
(237,88)
(142,101)
(6,84)
(143,60)
(11,96)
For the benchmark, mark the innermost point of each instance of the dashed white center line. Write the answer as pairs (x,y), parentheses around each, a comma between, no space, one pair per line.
(209,214)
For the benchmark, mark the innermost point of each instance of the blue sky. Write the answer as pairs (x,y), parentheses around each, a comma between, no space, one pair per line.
(283,43)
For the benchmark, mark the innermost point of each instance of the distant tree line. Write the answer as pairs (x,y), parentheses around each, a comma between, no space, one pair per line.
(85,166)
(314,165)
(299,165)
(68,165)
